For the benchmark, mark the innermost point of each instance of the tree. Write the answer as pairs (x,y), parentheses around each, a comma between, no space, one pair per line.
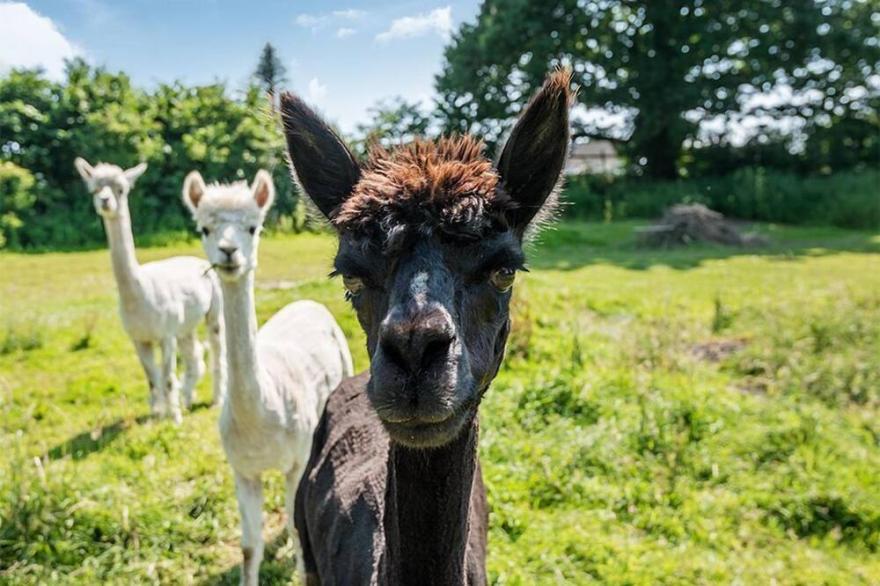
(393,122)
(99,115)
(44,125)
(270,73)
(665,67)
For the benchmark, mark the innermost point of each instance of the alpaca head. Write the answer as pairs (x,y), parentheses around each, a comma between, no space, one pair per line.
(109,185)
(430,240)
(229,218)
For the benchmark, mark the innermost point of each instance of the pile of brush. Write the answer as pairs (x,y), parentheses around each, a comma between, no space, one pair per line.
(685,224)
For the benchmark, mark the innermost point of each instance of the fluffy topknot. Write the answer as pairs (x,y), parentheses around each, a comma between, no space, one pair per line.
(447,183)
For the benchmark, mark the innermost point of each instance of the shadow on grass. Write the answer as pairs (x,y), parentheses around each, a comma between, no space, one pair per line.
(82,445)
(272,570)
(573,245)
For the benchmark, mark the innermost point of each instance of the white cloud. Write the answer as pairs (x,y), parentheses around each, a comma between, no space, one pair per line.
(28,39)
(310,20)
(319,21)
(350,14)
(344,32)
(437,21)
(316,92)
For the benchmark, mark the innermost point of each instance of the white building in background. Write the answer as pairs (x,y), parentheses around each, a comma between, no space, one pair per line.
(597,157)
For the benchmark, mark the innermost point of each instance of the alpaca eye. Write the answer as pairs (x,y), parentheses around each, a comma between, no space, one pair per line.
(353,285)
(502,279)
(205,231)
(252,230)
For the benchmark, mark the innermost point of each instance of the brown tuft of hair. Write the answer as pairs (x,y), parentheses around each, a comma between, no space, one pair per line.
(559,83)
(447,183)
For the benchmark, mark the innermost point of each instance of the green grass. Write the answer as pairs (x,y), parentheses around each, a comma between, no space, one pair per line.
(704,415)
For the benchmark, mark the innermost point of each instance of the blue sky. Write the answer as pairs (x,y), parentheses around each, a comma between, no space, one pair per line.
(343,56)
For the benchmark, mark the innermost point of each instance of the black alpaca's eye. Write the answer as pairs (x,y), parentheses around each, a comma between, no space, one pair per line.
(252,230)
(205,231)
(502,279)
(353,285)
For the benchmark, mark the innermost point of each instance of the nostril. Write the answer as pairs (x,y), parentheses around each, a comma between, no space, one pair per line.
(393,352)
(415,351)
(435,350)
(228,250)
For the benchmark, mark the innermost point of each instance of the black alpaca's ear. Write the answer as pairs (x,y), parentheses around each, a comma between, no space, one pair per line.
(533,157)
(322,164)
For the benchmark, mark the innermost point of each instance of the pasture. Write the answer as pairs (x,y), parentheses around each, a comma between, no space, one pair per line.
(682,417)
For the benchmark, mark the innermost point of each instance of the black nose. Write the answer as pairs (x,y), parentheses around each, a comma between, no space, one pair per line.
(228,250)
(415,343)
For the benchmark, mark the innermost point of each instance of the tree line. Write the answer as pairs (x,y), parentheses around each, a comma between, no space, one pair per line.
(805,73)
(99,115)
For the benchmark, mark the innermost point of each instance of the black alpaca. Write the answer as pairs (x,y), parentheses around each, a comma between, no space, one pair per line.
(430,239)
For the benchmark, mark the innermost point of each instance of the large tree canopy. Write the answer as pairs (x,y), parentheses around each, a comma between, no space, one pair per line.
(665,66)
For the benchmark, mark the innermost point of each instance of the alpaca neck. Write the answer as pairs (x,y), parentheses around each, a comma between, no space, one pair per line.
(427,508)
(122,256)
(240,318)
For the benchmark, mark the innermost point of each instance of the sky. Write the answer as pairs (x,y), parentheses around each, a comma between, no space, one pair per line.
(342,56)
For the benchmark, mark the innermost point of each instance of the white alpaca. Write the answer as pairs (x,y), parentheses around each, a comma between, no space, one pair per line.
(279,377)
(162,302)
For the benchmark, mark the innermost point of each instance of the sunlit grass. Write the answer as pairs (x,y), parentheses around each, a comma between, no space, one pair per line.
(704,415)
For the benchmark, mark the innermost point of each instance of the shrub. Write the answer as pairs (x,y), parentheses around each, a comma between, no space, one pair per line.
(16,200)
(99,115)
(849,199)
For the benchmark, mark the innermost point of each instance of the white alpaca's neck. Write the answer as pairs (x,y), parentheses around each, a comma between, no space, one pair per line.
(240,316)
(122,256)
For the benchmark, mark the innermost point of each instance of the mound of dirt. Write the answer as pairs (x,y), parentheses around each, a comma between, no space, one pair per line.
(688,223)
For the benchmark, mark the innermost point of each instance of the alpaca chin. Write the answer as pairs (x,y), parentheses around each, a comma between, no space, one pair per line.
(425,436)
(230,272)
(426,428)
(107,212)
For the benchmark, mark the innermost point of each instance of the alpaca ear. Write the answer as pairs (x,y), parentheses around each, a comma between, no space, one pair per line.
(193,190)
(533,157)
(263,189)
(82,166)
(135,172)
(320,161)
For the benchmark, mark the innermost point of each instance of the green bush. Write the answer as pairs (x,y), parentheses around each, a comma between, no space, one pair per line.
(16,200)
(99,115)
(849,199)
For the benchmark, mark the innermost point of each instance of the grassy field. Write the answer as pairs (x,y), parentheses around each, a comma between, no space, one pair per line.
(685,417)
